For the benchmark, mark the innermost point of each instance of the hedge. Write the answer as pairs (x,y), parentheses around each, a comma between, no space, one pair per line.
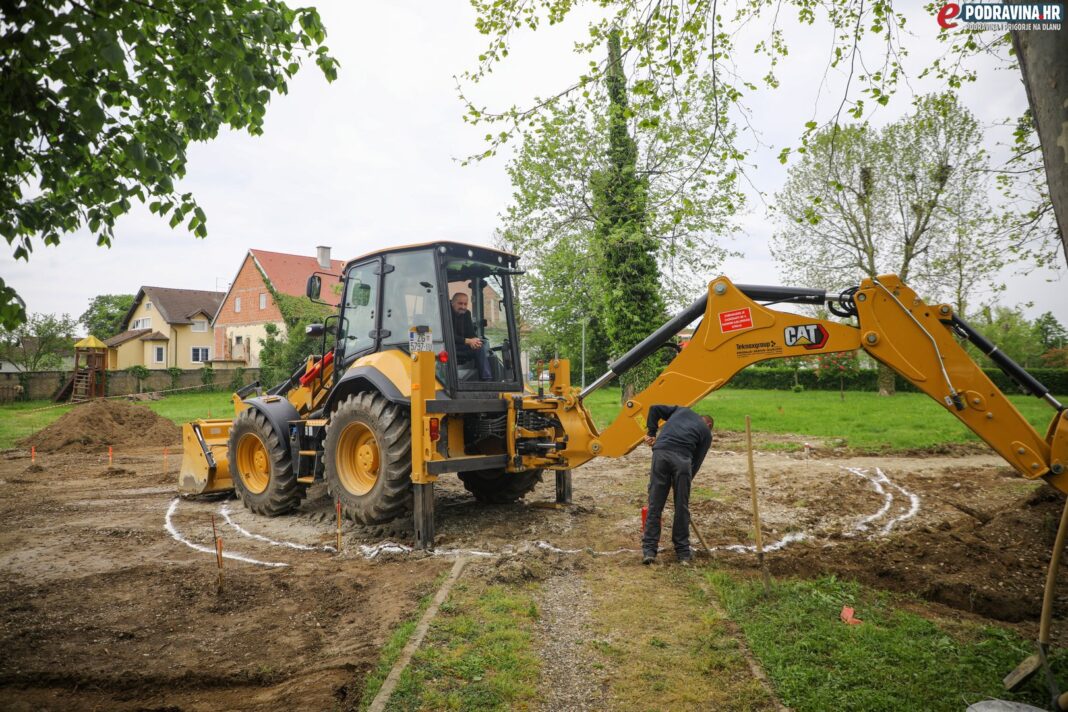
(782,379)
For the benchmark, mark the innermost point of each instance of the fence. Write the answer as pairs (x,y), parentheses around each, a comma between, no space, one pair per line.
(42,385)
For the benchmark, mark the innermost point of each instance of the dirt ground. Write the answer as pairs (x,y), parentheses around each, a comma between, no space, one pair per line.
(106,604)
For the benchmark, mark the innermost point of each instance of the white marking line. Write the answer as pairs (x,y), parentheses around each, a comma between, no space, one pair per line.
(224,510)
(169,526)
(888,498)
(877,481)
(914,503)
(749,548)
(389,547)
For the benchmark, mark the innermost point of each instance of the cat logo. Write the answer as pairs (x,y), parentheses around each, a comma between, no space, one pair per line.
(811,336)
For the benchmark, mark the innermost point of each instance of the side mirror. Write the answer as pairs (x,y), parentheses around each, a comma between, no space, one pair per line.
(314,331)
(315,285)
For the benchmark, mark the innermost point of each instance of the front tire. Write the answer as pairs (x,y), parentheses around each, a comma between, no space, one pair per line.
(498,486)
(260,466)
(368,459)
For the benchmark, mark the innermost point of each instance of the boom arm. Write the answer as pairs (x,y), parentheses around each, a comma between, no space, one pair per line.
(895,327)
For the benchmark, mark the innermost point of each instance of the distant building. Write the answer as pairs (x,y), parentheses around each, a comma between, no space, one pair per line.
(166,328)
(240,324)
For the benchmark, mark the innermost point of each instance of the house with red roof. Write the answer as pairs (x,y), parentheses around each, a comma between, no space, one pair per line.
(240,324)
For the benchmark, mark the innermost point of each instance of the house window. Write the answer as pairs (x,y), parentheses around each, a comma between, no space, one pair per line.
(239,340)
(143,323)
(200,354)
(263,301)
(237,304)
(158,354)
(148,306)
(200,325)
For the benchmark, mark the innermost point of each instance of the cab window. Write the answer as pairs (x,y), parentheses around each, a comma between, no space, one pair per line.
(356,333)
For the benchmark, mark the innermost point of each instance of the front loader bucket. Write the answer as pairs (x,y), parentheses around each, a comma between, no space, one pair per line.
(205,463)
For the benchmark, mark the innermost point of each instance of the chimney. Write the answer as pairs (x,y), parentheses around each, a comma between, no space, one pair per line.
(323,253)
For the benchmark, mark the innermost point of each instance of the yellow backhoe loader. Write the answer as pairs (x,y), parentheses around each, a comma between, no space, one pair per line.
(395,403)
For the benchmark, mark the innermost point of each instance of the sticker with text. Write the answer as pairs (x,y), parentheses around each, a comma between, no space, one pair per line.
(735,320)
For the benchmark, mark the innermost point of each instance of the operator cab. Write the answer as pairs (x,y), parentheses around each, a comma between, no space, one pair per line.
(400,299)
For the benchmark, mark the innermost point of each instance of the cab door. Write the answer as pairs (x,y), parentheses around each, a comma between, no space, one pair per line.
(358,327)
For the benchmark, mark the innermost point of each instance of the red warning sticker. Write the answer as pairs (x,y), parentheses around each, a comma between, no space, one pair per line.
(735,320)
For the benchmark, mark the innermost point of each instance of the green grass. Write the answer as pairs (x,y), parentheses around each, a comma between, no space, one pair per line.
(895,659)
(392,649)
(17,420)
(863,420)
(478,654)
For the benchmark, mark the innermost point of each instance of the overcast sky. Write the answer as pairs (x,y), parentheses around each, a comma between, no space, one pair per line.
(371,160)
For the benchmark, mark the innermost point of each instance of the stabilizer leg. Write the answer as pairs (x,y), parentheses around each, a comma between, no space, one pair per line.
(563,486)
(424,516)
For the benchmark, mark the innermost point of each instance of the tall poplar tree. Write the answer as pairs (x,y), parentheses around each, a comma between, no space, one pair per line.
(631,304)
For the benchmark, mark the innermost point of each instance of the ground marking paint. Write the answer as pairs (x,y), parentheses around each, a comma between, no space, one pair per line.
(878,480)
(169,526)
(224,510)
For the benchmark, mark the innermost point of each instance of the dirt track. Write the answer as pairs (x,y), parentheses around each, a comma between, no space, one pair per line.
(104,608)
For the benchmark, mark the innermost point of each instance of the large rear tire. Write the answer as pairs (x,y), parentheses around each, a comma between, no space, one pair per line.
(498,486)
(368,459)
(261,467)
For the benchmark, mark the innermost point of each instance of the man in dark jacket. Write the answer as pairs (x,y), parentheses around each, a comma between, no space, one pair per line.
(678,452)
(468,344)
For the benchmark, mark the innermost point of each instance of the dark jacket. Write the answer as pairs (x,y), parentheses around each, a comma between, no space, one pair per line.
(683,432)
(463,327)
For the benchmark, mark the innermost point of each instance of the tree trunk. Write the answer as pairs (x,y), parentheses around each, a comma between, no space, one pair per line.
(886,380)
(627,392)
(1043,57)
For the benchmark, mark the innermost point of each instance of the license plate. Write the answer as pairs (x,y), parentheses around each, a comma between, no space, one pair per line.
(420,339)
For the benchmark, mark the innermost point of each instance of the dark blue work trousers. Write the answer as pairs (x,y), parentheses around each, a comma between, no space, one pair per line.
(671,471)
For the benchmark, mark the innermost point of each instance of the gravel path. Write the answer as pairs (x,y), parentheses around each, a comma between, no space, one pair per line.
(572,672)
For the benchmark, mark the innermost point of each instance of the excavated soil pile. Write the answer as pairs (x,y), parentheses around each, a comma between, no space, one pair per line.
(990,563)
(102,423)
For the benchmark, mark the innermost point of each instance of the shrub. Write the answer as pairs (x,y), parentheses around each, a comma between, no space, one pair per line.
(207,377)
(782,379)
(237,381)
(140,373)
(175,373)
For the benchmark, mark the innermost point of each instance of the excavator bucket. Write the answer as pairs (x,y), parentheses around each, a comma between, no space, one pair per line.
(205,463)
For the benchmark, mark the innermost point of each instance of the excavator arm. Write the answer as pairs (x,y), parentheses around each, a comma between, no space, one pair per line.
(895,327)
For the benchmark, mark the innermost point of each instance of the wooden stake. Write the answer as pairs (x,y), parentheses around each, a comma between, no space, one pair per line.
(110,460)
(338,508)
(756,509)
(165,472)
(218,551)
(33,454)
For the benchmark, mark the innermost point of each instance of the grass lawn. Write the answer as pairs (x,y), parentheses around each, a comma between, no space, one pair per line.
(894,660)
(478,653)
(17,420)
(863,420)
